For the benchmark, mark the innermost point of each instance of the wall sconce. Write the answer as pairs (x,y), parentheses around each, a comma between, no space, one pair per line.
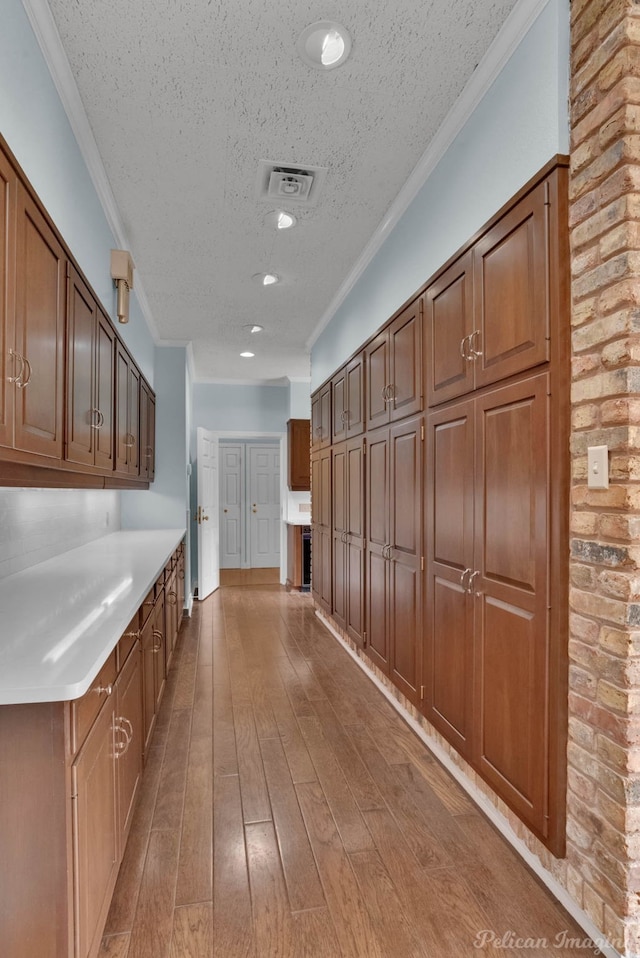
(122,268)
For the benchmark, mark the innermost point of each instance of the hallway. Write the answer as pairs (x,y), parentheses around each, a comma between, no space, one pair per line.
(334,832)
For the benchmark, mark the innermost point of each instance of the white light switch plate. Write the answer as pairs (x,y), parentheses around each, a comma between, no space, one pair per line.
(598,467)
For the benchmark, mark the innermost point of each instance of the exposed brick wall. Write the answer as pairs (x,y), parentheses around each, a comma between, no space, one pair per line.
(603,803)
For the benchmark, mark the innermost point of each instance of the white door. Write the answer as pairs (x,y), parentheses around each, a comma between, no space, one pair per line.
(231,505)
(264,503)
(207,514)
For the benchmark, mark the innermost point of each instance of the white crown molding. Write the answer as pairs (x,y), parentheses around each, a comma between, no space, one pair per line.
(511,34)
(46,32)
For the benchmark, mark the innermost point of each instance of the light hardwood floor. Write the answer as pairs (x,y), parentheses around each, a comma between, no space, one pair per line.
(287,811)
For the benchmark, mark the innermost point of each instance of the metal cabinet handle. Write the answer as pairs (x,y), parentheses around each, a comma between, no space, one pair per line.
(475,353)
(463,575)
(95,417)
(22,383)
(126,721)
(18,374)
(471,578)
(129,440)
(463,352)
(159,638)
(172,597)
(131,635)
(106,689)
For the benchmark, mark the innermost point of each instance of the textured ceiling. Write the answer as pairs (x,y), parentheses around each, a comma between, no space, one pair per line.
(185,97)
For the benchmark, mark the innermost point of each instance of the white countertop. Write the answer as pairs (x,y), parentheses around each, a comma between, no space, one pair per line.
(61,619)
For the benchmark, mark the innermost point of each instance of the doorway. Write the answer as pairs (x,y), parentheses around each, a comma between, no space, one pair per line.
(250,532)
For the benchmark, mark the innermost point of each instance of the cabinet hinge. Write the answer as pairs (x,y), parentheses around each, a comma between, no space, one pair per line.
(422,563)
(422,432)
(422,693)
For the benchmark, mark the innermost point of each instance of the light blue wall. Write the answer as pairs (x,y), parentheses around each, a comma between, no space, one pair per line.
(36,128)
(239,408)
(520,123)
(165,504)
(300,400)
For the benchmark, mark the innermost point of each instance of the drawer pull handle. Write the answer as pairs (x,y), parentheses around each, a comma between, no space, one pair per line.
(106,689)
(131,635)
(158,636)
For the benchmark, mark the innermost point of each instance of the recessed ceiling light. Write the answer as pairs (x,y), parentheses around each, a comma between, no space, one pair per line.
(247,355)
(280,220)
(324,45)
(253,327)
(266,279)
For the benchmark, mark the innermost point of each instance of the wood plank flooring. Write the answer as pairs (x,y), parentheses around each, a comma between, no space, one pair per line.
(287,811)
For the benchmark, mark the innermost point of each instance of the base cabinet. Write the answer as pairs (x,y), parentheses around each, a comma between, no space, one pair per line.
(69,778)
(95,829)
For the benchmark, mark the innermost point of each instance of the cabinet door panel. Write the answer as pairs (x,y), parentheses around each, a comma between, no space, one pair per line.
(355,539)
(325,490)
(512,593)
(122,411)
(448,667)
(105,371)
(134,421)
(95,831)
(338,406)
(82,419)
(377,608)
(377,380)
(450,657)
(339,529)
(449,320)
(405,507)
(129,751)
(40,331)
(316,420)
(511,291)
(8,187)
(405,345)
(378,541)
(354,382)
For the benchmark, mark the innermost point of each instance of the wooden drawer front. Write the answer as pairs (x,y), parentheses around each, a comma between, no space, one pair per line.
(85,710)
(128,640)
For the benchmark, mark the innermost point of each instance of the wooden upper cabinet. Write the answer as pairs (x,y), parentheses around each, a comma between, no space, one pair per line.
(488,314)
(10,364)
(449,324)
(41,271)
(339,406)
(90,372)
(511,330)
(147,431)
(394,368)
(347,400)
(298,435)
(127,413)
(321,417)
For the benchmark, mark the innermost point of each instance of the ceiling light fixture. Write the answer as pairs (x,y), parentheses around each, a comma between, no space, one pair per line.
(247,355)
(324,45)
(266,279)
(280,219)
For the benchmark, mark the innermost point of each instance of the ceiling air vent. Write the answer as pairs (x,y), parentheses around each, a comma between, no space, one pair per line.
(289,183)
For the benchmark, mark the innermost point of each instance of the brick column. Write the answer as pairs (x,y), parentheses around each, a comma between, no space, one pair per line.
(603,824)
